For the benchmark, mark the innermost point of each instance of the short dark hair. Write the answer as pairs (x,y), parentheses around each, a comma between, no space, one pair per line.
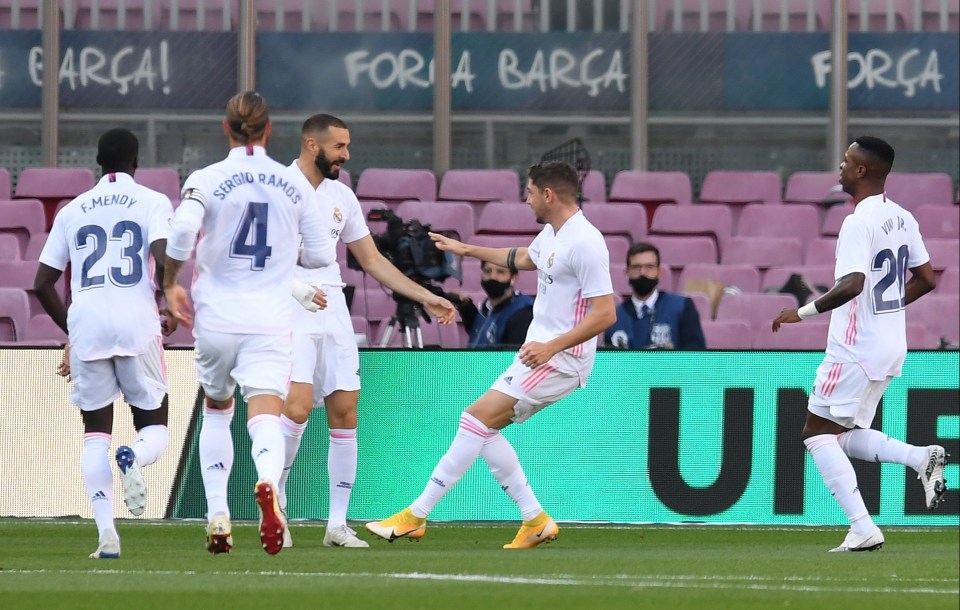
(878,152)
(117,150)
(640,247)
(559,176)
(321,122)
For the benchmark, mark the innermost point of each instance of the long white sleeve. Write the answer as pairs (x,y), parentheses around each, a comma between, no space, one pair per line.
(183,232)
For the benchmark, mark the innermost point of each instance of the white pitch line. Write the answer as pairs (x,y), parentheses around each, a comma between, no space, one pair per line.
(648,581)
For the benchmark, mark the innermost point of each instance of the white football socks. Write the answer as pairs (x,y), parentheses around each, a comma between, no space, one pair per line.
(95,467)
(215,447)
(841,480)
(267,446)
(875,446)
(500,456)
(342,471)
(150,444)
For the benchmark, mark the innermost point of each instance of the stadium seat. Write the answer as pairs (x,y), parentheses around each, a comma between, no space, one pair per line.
(165,180)
(9,247)
(740,187)
(50,185)
(762,252)
(758,220)
(441,216)
(807,335)
(757,310)
(943,252)
(502,241)
(920,337)
(396,185)
(617,247)
(678,251)
(363,16)
(949,282)
(5,188)
(346,178)
(939,221)
(625,219)
(833,219)
(652,189)
(508,219)
(820,251)
(726,334)
(817,275)
(691,18)
(874,16)
(181,337)
(940,313)
(376,304)
(24,15)
(361,329)
(117,14)
(21,274)
(702,303)
(43,328)
(939,16)
(517,16)
(594,187)
(792,16)
(200,15)
(14,314)
(814,187)
(290,16)
(744,277)
(912,190)
(618,274)
(713,220)
(23,219)
(480,185)
(35,246)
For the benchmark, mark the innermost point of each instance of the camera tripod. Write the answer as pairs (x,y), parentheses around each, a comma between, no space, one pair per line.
(407,322)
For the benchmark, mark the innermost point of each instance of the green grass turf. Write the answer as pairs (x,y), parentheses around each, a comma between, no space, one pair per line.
(44,564)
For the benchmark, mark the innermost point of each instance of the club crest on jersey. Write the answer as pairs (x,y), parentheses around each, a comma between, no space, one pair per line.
(337,215)
(550,260)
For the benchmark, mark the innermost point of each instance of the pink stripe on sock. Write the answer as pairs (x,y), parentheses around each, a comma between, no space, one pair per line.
(346,435)
(93,435)
(473,428)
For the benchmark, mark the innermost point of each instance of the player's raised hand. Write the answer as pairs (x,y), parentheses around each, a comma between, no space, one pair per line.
(786,316)
(448,244)
(442,309)
(178,304)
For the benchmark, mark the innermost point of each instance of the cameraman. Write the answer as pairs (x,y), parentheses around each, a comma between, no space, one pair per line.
(326,363)
(502,319)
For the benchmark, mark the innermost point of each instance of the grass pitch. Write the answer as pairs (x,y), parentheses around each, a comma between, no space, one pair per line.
(44,564)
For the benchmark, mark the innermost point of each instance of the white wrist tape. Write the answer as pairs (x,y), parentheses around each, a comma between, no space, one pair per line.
(808,310)
(303,293)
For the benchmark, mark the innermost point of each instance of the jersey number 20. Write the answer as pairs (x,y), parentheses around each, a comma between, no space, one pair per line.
(896,266)
(250,240)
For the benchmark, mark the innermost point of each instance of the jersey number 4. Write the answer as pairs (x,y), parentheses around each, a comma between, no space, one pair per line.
(250,240)
(896,273)
(130,252)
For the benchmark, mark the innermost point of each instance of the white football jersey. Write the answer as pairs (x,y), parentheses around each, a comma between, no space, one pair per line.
(105,234)
(572,266)
(882,241)
(250,213)
(344,220)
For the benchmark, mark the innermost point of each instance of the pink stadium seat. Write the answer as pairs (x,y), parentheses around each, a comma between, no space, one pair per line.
(920,337)
(290,16)
(117,15)
(714,220)
(744,277)
(873,16)
(527,282)
(594,187)
(208,16)
(758,220)
(937,16)
(741,187)
(517,16)
(23,219)
(43,328)
(814,187)
(502,241)
(5,189)
(817,275)
(475,20)
(912,190)
(441,216)
(617,247)
(949,282)
(164,180)
(774,16)
(727,334)
(758,310)
(625,219)
(689,18)
(939,221)
(820,251)
(346,178)
(806,335)
(702,303)
(678,251)
(361,327)
(762,252)
(397,184)
(181,337)
(27,16)
(618,274)
(376,304)
(480,185)
(943,252)
(14,314)
(354,16)
(651,189)
(52,184)
(508,219)
(9,247)
(940,313)
(833,219)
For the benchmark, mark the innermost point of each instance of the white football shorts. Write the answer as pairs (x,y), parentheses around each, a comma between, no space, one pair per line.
(842,393)
(142,380)
(327,355)
(259,364)
(534,389)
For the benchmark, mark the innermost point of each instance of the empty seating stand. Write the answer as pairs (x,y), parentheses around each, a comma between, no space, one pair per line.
(396,185)
(50,185)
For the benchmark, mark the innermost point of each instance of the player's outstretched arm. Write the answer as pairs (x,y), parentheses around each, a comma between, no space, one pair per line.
(845,290)
(514,258)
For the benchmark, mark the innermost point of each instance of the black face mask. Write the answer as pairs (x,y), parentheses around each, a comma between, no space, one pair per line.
(494,289)
(643,285)
(323,164)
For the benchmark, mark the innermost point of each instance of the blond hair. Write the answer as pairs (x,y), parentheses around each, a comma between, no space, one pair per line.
(247,117)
